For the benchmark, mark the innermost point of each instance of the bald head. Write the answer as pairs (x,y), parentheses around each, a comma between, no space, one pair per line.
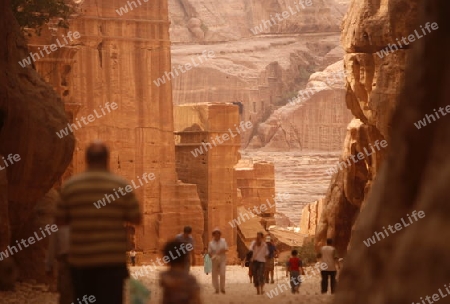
(97,155)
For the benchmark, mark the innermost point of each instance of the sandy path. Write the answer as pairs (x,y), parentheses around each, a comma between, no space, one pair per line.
(238,290)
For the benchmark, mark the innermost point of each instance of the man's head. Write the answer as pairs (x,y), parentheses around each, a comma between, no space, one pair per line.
(329,242)
(294,253)
(259,236)
(97,155)
(187,230)
(176,257)
(216,234)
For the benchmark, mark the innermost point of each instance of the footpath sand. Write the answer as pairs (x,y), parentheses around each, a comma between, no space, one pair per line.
(238,290)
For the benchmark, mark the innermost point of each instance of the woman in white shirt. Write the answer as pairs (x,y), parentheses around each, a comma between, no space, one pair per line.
(260,252)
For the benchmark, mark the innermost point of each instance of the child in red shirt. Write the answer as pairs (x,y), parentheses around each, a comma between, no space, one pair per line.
(294,266)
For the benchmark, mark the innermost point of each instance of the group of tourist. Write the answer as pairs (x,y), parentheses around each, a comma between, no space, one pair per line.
(94,264)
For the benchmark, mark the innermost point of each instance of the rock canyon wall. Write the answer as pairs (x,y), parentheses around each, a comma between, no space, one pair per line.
(259,71)
(261,74)
(408,266)
(106,80)
(315,119)
(216,21)
(30,115)
(122,55)
(373,87)
(264,72)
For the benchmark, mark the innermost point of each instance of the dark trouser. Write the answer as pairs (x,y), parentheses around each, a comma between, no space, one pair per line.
(295,282)
(133,261)
(64,281)
(325,275)
(104,283)
(258,273)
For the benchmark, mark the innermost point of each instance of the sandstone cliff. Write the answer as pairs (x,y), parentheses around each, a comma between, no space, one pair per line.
(261,73)
(409,266)
(314,119)
(30,115)
(114,62)
(373,86)
(208,21)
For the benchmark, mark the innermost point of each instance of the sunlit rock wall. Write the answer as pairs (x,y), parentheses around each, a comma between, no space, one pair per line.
(310,217)
(108,93)
(211,169)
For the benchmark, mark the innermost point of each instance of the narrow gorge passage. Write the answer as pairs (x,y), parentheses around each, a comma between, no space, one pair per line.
(183,148)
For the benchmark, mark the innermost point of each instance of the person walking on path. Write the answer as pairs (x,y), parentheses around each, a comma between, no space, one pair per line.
(98,237)
(270,262)
(260,252)
(179,287)
(186,237)
(217,249)
(133,257)
(295,269)
(329,257)
(59,250)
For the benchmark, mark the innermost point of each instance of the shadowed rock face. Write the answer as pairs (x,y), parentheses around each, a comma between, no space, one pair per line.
(413,262)
(373,85)
(30,116)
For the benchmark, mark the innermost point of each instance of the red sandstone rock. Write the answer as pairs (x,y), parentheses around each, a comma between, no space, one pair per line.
(204,126)
(410,266)
(373,86)
(30,115)
(116,60)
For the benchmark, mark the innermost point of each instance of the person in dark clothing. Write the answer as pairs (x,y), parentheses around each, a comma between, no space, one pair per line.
(329,257)
(179,287)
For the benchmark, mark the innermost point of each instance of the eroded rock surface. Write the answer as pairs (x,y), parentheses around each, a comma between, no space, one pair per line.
(314,119)
(107,75)
(260,73)
(197,20)
(30,115)
(373,86)
(410,265)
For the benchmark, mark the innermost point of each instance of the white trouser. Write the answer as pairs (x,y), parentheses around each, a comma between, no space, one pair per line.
(218,269)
